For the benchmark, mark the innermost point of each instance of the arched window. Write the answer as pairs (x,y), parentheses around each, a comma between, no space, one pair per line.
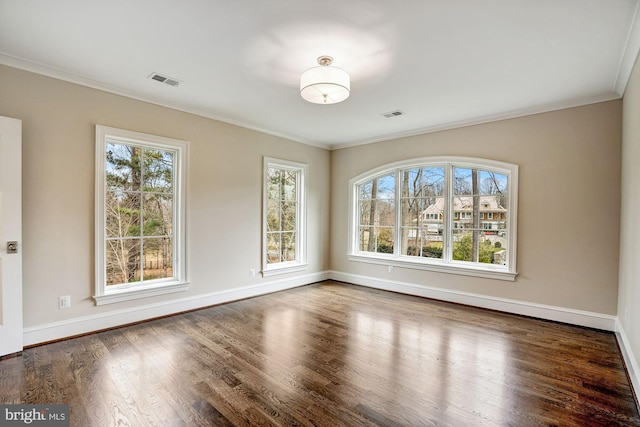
(447,214)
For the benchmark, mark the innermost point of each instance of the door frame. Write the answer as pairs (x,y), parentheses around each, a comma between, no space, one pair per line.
(11,323)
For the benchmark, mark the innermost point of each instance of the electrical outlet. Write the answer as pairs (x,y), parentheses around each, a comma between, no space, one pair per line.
(252,272)
(64,301)
(390,268)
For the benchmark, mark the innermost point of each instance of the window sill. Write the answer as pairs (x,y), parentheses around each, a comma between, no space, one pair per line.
(274,271)
(487,273)
(136,292)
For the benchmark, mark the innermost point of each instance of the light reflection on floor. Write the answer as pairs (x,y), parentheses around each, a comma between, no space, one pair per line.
(386,350)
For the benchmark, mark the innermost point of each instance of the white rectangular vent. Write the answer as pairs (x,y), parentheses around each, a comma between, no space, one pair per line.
(391,114)
(164,79)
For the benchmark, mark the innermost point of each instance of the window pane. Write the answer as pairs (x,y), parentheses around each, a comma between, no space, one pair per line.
(384,240)
(493,183)
(288,216)
(385,213)
(122,261)
(158,171)
(491,248)
(422,211)
(122,214)
(464,214)
(474,200)
(411,241)
(123,167)
(423,236)
(288,248)
(365,213)
(433,181)
(273,247)
(137,206)
(420,243)
(386,186)
(376,239)
(493,214)
(158,215)
(158,256)
(377,214)
(281,247)
(498,246)
(282,184)
(282,214)
(423,182)
(366,190)
(289,185)
(463,181)
(462,245)
(274,183)
(488,252)
(365,236)
(273,215)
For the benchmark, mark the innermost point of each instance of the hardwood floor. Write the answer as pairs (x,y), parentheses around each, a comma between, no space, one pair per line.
(331,354)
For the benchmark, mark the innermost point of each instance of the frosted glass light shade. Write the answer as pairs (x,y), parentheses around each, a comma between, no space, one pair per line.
(325,85)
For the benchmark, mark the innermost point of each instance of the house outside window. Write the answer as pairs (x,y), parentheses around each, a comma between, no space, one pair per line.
(447,214)
(140,215)
(284,217)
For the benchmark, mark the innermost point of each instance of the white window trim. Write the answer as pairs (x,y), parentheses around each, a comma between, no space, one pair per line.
(113,294)
(300,263)
(490,271)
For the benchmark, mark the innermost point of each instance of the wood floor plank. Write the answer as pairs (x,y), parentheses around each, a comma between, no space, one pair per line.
(331,354)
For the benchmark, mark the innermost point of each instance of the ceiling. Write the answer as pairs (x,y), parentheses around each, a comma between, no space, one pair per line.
(443,63)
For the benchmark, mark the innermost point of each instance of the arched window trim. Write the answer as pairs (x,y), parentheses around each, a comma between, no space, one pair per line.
(445,265)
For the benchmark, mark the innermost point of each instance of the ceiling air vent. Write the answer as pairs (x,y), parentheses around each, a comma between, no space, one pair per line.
(391,114)
(164,79)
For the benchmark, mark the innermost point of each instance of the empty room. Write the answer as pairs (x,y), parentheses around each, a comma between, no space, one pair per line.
(337,213)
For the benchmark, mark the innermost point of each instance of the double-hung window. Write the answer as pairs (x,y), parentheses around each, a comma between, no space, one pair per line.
(447,214)
(140,215)
(284,217)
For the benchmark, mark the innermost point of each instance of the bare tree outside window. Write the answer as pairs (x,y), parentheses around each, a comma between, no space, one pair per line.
(139,213)
(282,214)
(446,214)
(285,188)
(376,199)
(480,199)
(422,201)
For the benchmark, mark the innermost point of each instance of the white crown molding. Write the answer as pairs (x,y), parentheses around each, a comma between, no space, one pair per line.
(513,114)
(629,55)
(67,76)
(541,311)
(40,334)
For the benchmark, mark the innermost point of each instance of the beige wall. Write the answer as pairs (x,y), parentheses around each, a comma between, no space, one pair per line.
(629,293)
(569,204)
(569,195)
(224,192)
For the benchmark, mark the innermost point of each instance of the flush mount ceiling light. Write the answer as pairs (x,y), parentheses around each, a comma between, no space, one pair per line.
(325,84)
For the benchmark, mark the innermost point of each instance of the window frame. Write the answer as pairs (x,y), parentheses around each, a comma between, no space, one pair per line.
(446,264)
(179,282)
(300,263)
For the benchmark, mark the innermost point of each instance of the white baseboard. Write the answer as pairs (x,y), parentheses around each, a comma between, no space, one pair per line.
(547,312)
(86,324)
(629,358)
